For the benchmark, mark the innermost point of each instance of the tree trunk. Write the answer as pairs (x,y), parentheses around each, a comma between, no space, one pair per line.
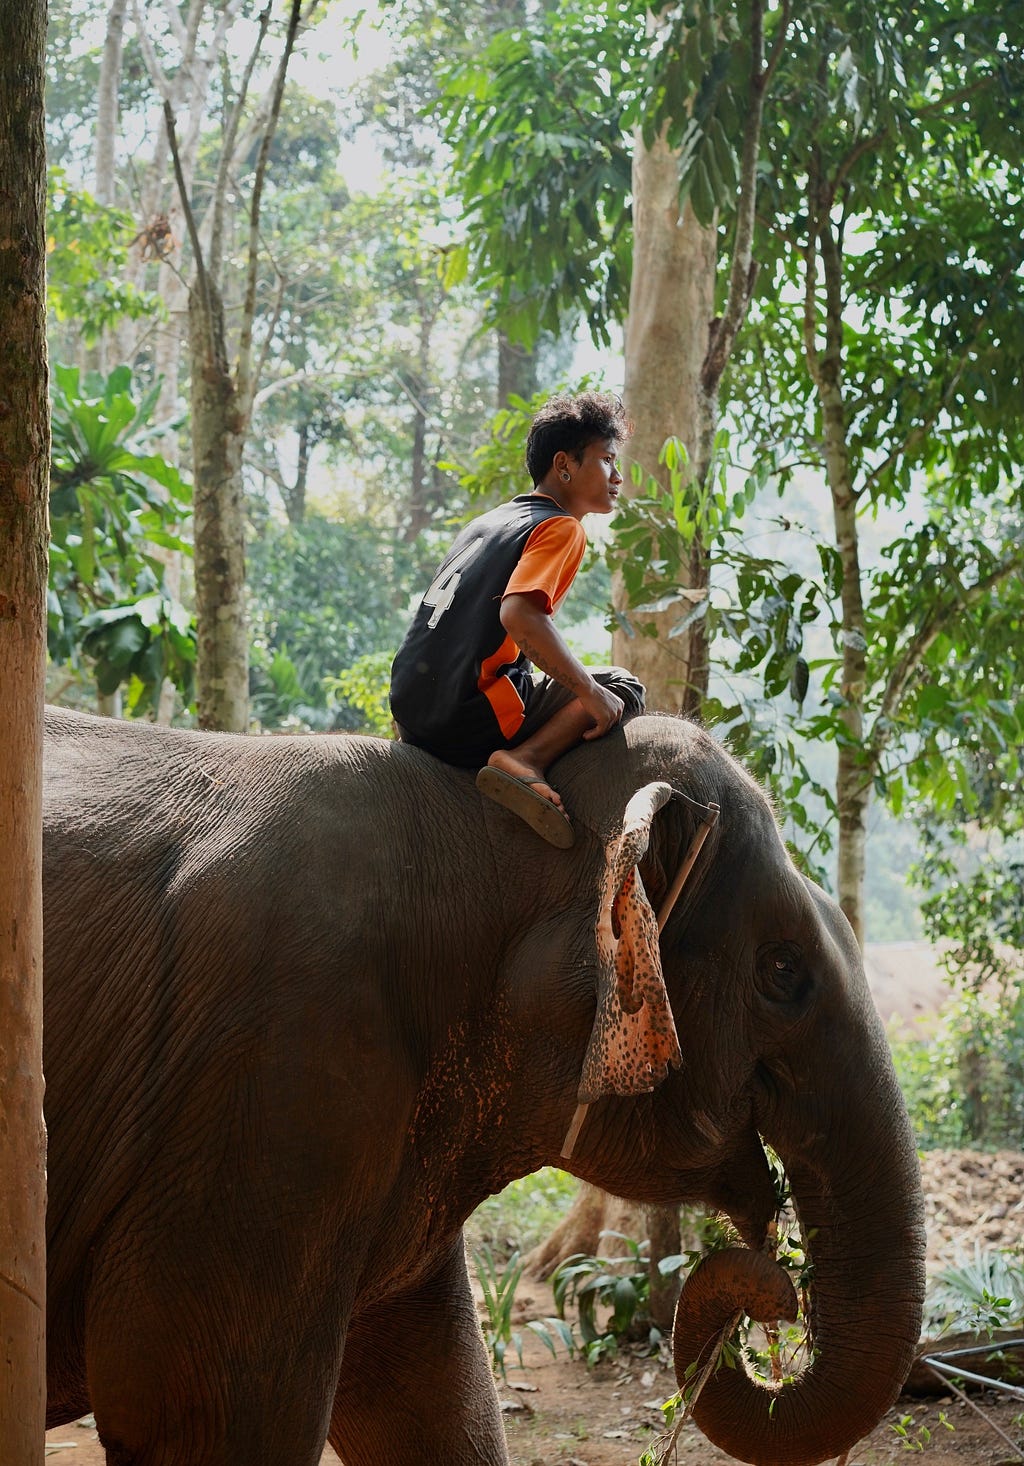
(593,1214)
(665,1236)
(24,462)
(294,495)
(419,478)
(854,776)
(222,402)
(107,110)
(218,435)
(671,306)
(517,371)
(96,357)
(109,704)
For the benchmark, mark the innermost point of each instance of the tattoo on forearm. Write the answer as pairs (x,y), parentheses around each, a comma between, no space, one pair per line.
(566,677)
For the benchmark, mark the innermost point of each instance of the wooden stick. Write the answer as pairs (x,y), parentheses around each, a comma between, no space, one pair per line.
(710,820)
(573,1133)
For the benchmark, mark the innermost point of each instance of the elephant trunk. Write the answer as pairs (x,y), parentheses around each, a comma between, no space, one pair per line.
(865,1242)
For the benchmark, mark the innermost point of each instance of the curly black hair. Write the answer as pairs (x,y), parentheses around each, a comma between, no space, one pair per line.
(569,424)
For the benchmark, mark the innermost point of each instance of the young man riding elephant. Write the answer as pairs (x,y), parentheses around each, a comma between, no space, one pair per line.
(462,684)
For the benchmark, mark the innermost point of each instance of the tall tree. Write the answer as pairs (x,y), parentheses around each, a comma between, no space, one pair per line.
(893,305)
(222,398)
(677,348)
(24,459)
(554,134)
(95,357)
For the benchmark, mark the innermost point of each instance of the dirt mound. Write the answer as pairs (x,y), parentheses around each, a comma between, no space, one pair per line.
(973,1199)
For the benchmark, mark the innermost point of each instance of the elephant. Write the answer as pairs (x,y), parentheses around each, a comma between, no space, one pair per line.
(309,1000)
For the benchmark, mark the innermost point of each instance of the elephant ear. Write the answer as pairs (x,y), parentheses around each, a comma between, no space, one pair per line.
(634,1038)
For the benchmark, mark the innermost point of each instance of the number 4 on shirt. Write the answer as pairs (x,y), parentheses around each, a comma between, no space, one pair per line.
(446,583)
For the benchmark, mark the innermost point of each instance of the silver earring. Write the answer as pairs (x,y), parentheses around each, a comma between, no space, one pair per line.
(565,476)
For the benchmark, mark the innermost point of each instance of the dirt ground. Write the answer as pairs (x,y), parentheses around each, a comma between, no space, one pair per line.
(558,1411)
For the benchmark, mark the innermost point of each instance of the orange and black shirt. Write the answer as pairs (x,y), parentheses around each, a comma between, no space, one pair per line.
(460,684)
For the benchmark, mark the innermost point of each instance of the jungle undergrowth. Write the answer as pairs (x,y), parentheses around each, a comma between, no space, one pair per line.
(498,1283)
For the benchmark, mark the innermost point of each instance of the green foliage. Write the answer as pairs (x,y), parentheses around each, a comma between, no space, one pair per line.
(619,1285)
(974,906)
(538,121)
(542,122)
(112,503)
(928,1075)
(900,144)
(980,1294)
(970,1089)
(87,251)
(757,615)
(694,85)
(498,1284)
(914,1437)
(524,1213)
(965,1085)
(324,594)
(365,687)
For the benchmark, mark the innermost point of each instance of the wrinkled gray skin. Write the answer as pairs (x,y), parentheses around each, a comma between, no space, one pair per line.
(310,1000)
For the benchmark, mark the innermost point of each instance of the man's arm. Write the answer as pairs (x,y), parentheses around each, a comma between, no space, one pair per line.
(535,633)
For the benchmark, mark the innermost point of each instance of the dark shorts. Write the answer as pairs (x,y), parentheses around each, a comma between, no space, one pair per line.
(543,702)
(549,697)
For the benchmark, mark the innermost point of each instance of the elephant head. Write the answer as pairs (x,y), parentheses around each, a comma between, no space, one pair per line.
(778,1044)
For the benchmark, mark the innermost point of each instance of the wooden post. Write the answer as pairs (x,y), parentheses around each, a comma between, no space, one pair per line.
(24,469)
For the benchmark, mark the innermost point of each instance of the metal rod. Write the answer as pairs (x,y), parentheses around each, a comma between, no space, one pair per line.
(951,1372)
(977,1410)
(992,1348)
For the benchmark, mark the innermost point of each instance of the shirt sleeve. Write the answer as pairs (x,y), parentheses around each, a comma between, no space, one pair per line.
(549,562)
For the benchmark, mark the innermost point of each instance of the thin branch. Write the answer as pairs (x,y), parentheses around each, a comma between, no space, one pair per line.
(743,271)
(281,384)
(779,45)
(275,315)
(921,643)
(811,272)
(227,151)
(202,277)
(224,23)
(950,99)
(176,24)
(866,145)
(245,380)
(157,75)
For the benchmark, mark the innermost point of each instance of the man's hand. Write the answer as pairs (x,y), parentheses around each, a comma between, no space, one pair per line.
(604,706)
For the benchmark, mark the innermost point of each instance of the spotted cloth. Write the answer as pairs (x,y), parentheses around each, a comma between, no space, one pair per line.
(634,1038)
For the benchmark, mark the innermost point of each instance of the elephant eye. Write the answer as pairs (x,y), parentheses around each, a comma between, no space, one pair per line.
(780,973)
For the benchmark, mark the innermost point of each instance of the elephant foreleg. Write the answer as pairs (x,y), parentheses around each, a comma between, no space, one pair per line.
(415,1382)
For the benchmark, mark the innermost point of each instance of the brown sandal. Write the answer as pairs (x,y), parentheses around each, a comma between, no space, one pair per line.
(522,799)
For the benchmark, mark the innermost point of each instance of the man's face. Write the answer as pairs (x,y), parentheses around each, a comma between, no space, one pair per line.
(595,480)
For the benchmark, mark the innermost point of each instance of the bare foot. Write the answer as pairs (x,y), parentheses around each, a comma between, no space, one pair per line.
(508,763)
